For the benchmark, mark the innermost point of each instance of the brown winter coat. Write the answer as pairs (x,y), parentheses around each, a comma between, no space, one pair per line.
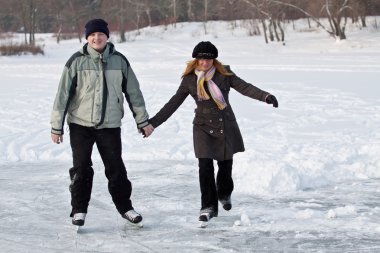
(216,133)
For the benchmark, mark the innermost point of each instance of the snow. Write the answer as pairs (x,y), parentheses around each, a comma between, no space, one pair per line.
(308,181)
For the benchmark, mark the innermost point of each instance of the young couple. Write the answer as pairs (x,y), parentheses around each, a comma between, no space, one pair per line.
(90,93)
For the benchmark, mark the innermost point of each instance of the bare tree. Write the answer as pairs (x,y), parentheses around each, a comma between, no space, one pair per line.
(28,11)
(121,20)
(69,16)
(335,12)
(76,18)
(116,14)
(148,6)
(32,21)
(205,15)
(304,12)
(260,8)
(174,12)
(57,7)
(138,9)
(360,10)
(190,12)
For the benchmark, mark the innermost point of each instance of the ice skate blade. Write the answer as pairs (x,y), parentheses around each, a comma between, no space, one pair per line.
(203,224)
(137,225)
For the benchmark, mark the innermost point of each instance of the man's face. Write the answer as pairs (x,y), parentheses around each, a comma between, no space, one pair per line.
(97,41)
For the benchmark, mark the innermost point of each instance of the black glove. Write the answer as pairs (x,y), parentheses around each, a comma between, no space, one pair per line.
(272,100)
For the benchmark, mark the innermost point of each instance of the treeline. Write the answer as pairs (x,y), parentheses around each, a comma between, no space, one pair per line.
(67,17)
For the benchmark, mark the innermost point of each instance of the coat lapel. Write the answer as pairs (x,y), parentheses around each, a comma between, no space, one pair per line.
(218,78)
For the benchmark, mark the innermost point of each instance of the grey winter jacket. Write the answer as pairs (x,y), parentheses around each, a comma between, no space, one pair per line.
(91,91)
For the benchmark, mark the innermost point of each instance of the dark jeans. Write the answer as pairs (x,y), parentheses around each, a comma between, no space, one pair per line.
(108,141)
(211,191)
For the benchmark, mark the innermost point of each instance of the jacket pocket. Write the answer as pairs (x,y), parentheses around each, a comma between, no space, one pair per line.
(211,126)
(117,97)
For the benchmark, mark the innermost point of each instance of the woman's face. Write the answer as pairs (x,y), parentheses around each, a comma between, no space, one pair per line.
(205,64)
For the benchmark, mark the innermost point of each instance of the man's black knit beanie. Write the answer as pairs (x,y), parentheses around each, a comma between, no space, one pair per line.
(97,25)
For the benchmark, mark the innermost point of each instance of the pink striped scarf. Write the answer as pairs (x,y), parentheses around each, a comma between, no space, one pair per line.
(215,92)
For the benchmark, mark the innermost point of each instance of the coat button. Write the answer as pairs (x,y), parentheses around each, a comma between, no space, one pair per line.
(221,131)
(210,120)
(211,131)
(220,119)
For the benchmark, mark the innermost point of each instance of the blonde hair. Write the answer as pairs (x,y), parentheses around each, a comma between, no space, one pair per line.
(192,65)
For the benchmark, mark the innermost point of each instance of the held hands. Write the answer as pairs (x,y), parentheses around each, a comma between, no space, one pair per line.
(272,100)
(147,130)
(57,138)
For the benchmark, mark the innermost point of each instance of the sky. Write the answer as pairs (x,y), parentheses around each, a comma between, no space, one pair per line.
(307,182)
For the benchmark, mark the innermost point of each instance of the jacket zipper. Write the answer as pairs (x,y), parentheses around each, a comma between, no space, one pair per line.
(105,92)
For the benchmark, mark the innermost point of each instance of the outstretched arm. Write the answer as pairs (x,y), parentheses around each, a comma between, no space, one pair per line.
(171,106)
(248,89)
(252,91)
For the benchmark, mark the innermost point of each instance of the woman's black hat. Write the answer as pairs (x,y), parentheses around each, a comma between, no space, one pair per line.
(205,50)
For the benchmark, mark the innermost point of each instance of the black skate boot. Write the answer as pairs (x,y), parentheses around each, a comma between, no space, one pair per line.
(227,205)
(205,216)
(78,219)
(132,216)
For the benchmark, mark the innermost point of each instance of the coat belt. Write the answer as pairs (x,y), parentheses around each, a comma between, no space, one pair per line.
(207,110)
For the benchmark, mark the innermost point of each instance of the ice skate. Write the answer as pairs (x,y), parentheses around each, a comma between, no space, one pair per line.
(78,219)
(133,217)
(205,216)
(226,203)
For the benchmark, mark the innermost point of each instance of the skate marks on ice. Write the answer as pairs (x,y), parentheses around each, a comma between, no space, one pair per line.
(107,237)
(34,214)
(343,218)
(303,222)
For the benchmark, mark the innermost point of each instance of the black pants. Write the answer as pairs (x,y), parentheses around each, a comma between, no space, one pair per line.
(108,141)
(211,191)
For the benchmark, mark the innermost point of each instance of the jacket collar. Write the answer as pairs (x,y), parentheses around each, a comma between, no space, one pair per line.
(95,55)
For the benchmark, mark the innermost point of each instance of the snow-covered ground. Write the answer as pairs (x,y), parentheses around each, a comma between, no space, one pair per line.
(308,181)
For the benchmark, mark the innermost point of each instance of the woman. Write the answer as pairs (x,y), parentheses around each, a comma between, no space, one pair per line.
(216,134)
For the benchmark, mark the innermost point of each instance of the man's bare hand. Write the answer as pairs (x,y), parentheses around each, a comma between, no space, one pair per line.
(57,138)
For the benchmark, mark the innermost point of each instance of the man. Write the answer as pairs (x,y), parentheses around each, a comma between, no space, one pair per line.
(90,93)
